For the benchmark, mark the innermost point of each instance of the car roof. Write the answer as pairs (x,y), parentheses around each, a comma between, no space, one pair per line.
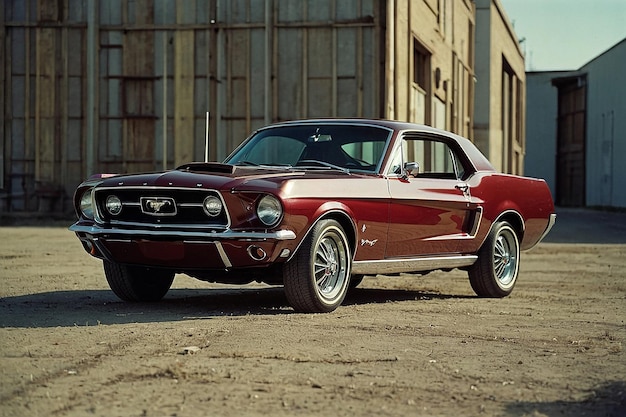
(480,162)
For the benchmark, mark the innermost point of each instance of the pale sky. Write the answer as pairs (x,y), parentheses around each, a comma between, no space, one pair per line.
(566,34)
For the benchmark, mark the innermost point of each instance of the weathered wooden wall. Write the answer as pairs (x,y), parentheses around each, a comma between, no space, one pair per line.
(42,86)
(156,68)
(160,65)
(292,59)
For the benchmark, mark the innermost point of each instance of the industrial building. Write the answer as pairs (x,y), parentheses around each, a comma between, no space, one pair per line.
(125,85)
(576,132)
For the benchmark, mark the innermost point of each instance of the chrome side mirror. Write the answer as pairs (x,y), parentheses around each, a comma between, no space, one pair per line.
(411,169)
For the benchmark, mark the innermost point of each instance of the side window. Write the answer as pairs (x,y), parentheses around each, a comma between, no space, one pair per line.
(435,159)
(367,153)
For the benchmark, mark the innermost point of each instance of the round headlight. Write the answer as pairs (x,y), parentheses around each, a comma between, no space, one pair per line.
(269,210)
(114,205)
(212,206)
(86,204)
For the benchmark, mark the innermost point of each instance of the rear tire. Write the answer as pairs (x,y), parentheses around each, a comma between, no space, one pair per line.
(495,272)
(137,284)
(316,279)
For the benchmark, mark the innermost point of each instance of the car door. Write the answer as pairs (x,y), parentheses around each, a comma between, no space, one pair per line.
(431,211)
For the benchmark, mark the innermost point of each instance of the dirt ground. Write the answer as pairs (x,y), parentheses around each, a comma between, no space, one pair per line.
(400,346)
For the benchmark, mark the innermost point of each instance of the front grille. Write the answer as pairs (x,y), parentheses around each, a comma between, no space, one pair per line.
(160,207)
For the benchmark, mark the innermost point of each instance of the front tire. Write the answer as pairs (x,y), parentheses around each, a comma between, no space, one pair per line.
(316,279)
(137,284)
(495,272)
(356,280)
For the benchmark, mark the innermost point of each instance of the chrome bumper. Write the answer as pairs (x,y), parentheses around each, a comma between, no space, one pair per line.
(551,222)
(211,236)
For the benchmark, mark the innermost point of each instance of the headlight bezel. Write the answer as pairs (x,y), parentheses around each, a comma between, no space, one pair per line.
(86,204)
(269,210)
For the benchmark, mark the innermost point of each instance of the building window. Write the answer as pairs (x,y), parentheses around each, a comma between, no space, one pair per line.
(512,143)
(421,65)
(441,16)
(420,90)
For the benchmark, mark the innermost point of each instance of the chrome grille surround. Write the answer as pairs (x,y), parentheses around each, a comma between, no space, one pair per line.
(160,207)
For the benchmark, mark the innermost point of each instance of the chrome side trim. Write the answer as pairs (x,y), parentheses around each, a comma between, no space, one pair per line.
(427,263)
(211,236)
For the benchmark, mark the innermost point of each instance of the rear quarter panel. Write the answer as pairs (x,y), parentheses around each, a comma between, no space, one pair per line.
(502,193)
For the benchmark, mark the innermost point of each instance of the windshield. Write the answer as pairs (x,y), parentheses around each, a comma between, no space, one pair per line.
(311,146)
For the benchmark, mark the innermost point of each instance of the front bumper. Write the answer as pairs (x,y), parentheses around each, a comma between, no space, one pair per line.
(185,250)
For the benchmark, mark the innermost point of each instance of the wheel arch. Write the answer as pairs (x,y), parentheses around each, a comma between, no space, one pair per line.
(347,224)
(515,219)
(345,221)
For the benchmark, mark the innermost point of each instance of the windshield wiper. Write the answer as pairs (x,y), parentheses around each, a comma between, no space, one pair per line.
(303,163)
(247,163)
(270,166)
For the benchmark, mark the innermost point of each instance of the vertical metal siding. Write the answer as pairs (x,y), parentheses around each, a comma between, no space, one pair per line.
(159,66)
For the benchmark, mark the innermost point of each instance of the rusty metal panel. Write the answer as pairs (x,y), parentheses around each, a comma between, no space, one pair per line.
(19,125)
(184,93)
(319,11)
(290,11)
(320,66)
(164,12)
(110,12)
(185,12)
(239,10)
(46,101)
(246,61)
(76,11)
(319,59)
(257,78)
(289,74)
(137,89)
(202,13)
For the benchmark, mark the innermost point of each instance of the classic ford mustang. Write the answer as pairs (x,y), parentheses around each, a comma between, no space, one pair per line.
(315,205)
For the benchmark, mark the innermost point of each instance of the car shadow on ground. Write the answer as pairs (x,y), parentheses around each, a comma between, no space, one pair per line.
(608,400)
(94,307)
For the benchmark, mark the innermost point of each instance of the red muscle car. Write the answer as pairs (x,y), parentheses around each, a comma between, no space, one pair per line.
(314,206)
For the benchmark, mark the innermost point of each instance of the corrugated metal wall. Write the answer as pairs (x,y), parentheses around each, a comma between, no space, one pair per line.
(43,89)
(317,59)
(606,128)
(158,67)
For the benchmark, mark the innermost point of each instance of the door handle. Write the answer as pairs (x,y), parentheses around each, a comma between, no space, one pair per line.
(462,187)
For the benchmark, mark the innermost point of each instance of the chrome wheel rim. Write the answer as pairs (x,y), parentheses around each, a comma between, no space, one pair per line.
(505,257)
(330,265)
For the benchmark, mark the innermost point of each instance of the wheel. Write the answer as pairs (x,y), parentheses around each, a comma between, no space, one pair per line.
(495,272)
(134,283)
(316,279)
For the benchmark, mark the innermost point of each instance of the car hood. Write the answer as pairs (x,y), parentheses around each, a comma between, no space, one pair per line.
(216,176)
